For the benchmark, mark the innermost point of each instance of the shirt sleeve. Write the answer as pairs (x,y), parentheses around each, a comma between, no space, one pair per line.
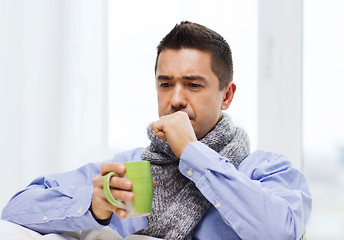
(265,198)
(55,203)
(60,202)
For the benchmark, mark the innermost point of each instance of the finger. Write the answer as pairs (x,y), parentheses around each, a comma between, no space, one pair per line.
(117,193)
(112,167)
(122,195)
(98,181)
(108,206)
(121,213)
(161,135)
(121,183)
(157,128)
(101,208)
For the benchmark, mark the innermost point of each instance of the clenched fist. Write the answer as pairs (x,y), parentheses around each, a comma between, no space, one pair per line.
(176,128)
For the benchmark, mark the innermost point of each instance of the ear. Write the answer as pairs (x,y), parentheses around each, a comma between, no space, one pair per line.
(228,94)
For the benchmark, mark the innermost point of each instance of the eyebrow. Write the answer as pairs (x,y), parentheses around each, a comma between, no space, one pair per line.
(187,77)
(194,77)
(164,77)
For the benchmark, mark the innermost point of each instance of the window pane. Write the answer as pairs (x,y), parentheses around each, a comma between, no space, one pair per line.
(134,36)
(324,116)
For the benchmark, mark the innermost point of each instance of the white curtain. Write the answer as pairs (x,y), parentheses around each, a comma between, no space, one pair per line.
(53,88)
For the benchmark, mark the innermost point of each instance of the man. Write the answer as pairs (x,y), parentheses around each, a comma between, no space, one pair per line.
(208,185)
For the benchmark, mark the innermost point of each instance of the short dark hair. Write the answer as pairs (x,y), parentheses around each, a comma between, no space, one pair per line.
(195,36)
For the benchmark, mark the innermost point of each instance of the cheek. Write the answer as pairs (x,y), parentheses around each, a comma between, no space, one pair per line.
(163,104)
(205,123)
(210,105)
(160,108)
(207,112)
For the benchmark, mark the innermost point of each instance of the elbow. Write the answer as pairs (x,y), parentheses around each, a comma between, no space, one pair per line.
(292,223)
(294,227)
(297,217)
(6,215)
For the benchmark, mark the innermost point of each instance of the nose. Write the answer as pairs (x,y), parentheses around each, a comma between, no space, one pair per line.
(178,98)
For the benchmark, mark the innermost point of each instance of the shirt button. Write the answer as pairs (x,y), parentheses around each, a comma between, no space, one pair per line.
(189,172)
(79,211)
(218,205)
(45,218)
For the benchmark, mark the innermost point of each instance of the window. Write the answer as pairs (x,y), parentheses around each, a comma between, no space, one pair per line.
(323,116)
(136,28)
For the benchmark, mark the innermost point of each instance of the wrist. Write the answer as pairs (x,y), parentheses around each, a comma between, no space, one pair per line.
(184,146)
(104,222)
(101,217)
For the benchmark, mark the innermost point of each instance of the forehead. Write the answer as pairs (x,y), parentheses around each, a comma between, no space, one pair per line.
(184,61)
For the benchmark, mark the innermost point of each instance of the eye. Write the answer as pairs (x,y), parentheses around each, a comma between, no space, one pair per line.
(194,85)
(165,85)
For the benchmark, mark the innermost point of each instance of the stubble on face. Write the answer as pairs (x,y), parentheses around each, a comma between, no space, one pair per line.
(203,107)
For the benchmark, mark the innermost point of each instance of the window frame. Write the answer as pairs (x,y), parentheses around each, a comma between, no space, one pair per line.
(280,77)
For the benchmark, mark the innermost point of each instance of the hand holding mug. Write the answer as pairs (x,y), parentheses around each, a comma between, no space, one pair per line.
(139,173)
(100,207)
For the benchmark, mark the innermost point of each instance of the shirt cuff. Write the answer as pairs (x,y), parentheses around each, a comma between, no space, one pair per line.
(197,158)
(104,222)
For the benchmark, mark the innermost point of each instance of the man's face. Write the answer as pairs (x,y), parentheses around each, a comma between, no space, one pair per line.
(185,82)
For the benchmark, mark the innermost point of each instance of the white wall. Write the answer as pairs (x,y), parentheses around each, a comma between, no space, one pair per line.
(53,88)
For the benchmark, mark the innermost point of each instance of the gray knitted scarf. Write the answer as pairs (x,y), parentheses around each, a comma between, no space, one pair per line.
(178,205)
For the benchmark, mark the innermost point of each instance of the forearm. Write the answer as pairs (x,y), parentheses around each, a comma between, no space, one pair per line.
(257,204)
(55,203)
(61,202)
(50,210)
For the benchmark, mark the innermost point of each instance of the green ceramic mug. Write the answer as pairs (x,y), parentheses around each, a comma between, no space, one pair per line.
(141,176)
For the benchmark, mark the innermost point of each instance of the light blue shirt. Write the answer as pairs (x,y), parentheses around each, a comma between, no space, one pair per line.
(265,198)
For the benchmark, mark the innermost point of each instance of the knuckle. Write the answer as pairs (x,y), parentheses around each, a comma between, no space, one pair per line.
(183,114)
(98,190)
(103,167)
(95,181)
(97,201)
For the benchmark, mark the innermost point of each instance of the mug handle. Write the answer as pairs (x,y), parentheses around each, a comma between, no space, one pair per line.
(108,195)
